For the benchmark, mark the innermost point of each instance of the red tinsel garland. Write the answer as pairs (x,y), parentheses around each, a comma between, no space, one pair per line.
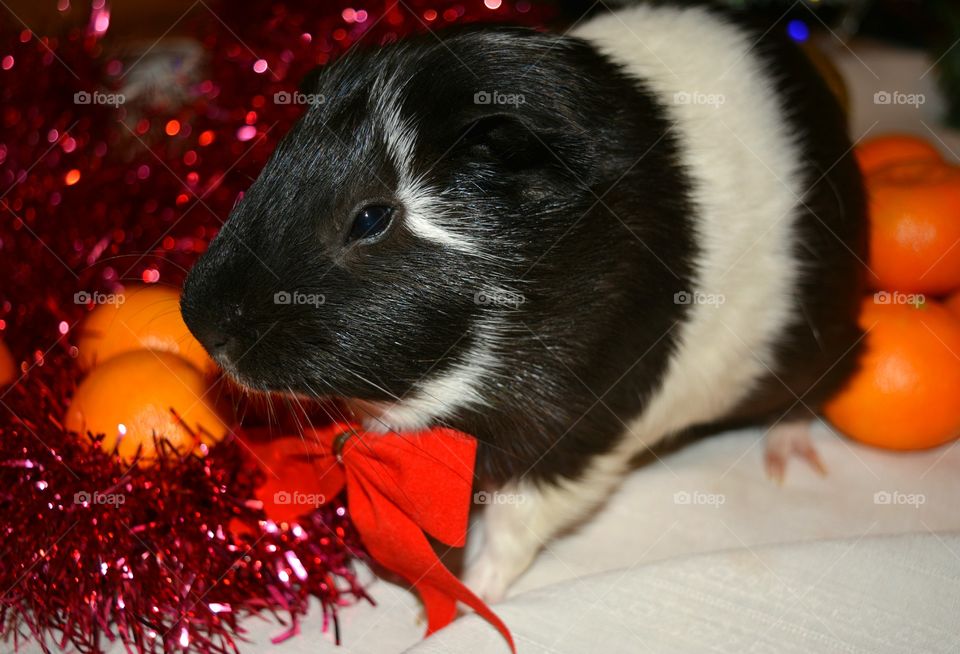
(164,559)
(93,196)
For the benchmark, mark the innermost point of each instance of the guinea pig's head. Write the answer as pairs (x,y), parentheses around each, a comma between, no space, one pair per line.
(386,249)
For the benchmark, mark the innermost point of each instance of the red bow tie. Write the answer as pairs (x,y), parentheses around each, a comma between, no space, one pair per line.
(400,487)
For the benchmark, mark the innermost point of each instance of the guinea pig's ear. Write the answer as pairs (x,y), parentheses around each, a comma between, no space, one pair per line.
(518,144)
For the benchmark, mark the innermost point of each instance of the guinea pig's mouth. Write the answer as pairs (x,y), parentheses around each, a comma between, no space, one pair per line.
(255,380)
(248,366)
(375,416)
(243,380)
(246,377)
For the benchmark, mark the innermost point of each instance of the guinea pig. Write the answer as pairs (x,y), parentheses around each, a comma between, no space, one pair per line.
(571,247)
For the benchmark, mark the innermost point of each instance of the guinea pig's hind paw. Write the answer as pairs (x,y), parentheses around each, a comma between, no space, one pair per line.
(789,439)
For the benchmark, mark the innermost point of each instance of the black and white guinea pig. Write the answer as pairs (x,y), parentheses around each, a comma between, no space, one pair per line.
(569,246)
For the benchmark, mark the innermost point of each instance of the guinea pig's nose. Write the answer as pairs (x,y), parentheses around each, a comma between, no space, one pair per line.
(217,331)
(219,343)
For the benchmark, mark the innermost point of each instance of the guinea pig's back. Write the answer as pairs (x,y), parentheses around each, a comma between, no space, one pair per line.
(778,213)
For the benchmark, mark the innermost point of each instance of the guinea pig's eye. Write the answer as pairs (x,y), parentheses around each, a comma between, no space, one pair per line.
(370,222)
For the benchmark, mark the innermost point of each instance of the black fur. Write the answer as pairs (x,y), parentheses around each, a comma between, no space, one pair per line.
(596,241)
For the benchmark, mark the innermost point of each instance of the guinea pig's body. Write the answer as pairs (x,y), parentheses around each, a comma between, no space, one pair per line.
(584,244)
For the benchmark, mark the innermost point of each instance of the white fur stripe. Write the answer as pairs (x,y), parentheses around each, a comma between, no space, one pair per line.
(426,220)
(423,206)
(744,166)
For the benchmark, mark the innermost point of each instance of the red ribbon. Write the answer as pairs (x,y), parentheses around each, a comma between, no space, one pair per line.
(400,488)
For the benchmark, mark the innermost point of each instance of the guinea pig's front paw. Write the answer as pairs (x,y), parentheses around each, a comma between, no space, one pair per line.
(487,578)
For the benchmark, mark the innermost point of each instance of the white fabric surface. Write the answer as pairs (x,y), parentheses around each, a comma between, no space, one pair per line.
(649,574)
(892,594)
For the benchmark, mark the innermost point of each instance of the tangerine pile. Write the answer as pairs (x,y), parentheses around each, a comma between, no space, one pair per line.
(147,378)
(906,394)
